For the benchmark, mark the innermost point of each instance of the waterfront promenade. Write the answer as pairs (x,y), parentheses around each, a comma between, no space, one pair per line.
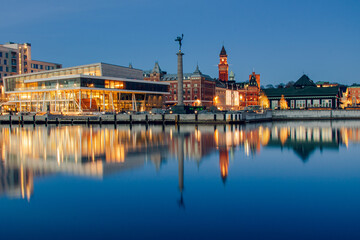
(211,118)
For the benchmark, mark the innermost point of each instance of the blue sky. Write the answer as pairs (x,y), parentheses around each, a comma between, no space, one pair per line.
(281,39)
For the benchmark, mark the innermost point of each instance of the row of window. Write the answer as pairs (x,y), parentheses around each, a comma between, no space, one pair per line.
(186,85)
(6,54)
(40,66)
(188,91)
(327,103)
(171,98)
(4,68)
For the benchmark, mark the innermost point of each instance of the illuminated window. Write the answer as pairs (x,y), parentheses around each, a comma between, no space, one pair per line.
(316,103)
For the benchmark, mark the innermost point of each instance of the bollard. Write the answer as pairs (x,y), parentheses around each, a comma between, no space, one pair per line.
(34,120)
(100,121)
(215,117)
(72,121)
(236,117)
(163,119)
(46,121)
(130,118)
(114,118)
(10,120)
(88,121)
(232,117)
(146,119)
(224,116)
(196,117)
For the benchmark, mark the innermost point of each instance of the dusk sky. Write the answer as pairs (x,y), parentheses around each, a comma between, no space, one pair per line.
(280,39)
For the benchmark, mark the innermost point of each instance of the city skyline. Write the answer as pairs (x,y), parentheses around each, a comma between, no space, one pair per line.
(281,40)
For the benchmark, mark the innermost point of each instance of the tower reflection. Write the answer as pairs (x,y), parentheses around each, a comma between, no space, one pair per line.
(27,153)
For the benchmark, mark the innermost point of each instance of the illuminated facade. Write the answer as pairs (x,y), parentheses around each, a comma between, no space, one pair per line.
(237,96)
(202,90)
(304,94)
(198,88)
(94,87)
(353,96)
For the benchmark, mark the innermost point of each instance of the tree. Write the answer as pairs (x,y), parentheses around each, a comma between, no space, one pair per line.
(283,103)
(264,101)
(269,86)
(289,84)
(281,85)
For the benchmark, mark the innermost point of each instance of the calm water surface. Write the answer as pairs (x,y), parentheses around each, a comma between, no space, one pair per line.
(288,180)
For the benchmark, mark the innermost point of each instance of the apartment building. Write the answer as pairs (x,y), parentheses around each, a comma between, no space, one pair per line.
(15,58)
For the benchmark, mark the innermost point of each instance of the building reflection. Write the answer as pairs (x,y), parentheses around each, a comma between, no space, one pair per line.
(27,153)
(30,152)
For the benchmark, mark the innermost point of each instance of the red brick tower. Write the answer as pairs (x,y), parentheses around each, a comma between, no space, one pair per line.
(223,66)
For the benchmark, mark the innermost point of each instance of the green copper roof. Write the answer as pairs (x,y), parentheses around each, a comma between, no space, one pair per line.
(303,81)
(297,92)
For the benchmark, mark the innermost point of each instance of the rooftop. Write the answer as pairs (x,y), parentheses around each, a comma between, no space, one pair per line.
(305,91)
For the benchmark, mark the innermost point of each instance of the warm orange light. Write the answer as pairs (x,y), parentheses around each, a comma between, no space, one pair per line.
(283,103)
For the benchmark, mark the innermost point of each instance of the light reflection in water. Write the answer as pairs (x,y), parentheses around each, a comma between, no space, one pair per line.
(28,152)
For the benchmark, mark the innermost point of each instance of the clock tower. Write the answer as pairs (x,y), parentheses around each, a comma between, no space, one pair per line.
(223,66)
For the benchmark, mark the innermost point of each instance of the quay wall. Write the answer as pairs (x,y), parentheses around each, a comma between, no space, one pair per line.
(315,114)
(218,118)
(215,118)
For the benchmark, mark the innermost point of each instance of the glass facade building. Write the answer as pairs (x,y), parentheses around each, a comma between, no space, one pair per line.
(83,89)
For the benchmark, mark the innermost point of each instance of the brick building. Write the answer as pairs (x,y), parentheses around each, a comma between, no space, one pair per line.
(202,90)
(199,88)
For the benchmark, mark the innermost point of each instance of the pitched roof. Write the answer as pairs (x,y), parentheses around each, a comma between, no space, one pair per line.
(172,77)
(197,71)
(299,92)
(253,81)
(303,81)
(156,68)
(222,52)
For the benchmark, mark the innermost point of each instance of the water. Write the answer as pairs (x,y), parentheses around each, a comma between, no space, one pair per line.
(287,180)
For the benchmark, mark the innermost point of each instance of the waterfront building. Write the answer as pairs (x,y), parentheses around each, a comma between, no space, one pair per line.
(233,95)
(198,88)
(351,96)
(15,58)
(93,87)
(304,94)
(155,75)
(202,90)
